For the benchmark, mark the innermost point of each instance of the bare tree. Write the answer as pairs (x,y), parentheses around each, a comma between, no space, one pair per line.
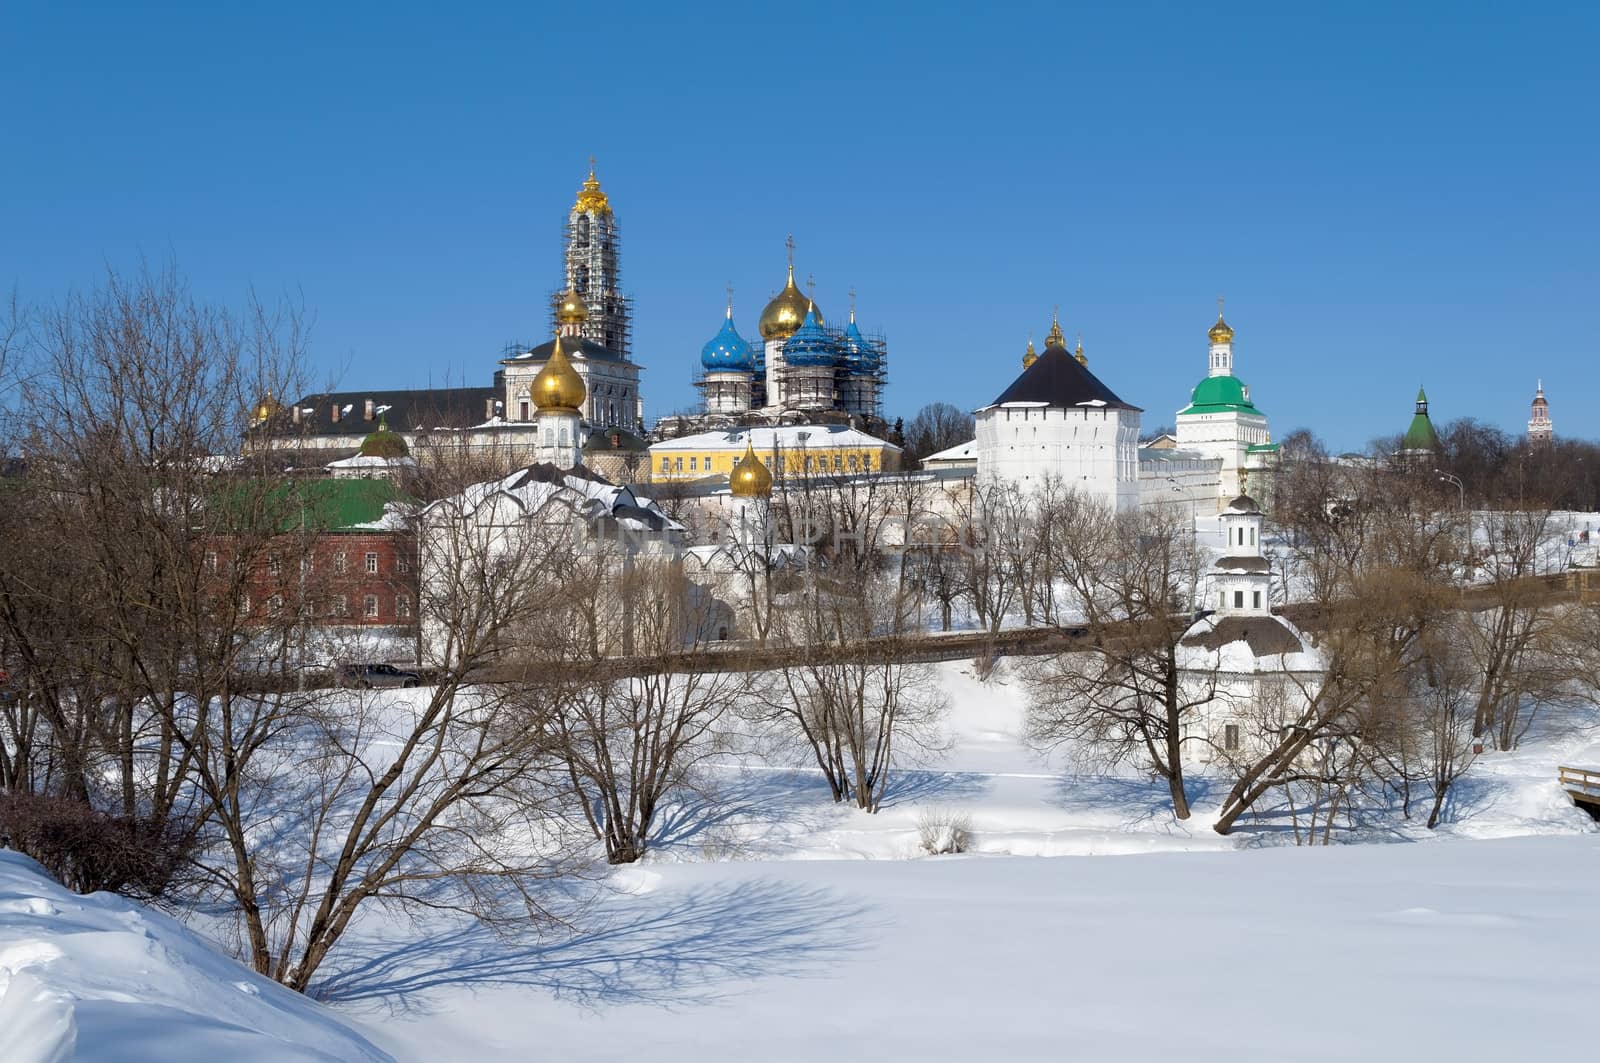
(631,731)
(854,700)
(1130,577)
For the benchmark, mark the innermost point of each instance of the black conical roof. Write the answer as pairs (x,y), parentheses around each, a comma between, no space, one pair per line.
(1057,379)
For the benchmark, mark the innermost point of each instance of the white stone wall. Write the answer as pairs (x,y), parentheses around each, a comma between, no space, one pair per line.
(1224,435)
(1091,449)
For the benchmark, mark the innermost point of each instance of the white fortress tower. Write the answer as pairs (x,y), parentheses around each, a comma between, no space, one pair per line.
(1057,420)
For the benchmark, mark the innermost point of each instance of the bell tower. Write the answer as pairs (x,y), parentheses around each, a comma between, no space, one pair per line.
(593,269)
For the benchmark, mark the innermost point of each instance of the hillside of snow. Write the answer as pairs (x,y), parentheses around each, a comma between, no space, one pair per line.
(101,978)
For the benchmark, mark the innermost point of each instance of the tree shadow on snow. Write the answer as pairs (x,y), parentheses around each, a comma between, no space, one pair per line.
(742,812)
(674,949)
(913,785)
(1132,803)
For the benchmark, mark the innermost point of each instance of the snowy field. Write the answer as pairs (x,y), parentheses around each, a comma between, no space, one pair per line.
(771,922)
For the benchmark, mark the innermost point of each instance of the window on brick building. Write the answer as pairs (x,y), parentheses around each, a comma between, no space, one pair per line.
(211,561)
(372,561)
(340,606)
(275,604)
(274,564)
(402,561)
(402,607)
(369,605)
(339,564)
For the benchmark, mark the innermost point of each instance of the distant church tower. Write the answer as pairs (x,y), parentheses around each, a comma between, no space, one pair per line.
(1540,429)
(593,252)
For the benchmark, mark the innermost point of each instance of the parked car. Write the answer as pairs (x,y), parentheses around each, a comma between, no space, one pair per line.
(367,676)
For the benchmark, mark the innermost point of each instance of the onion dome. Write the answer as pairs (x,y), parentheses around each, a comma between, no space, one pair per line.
(1055,339)
(785,313)
(1221,332)
(265,409)
(572,310)
(749,478)
(384,443)
(590,199)
(728,352)
(861,354)
(810,345)
(1028,356)
(558,387)
(1083,359)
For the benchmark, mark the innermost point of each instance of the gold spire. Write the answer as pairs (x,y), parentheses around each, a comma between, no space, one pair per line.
(572,310)
(1082,360)
(558,388)
(1220,332)
(1028,357)
(590,198)
(749,477)
(1055,338)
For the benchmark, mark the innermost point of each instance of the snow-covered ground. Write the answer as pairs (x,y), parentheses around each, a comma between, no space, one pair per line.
(101,978)
(772,922)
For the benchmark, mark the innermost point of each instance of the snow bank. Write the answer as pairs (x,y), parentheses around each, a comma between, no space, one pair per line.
(101,978)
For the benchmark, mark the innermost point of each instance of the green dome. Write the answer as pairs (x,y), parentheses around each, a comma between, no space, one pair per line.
(384,443)
(1219,394)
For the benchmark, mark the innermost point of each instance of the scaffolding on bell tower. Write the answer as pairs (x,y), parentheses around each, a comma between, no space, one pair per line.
(594,270)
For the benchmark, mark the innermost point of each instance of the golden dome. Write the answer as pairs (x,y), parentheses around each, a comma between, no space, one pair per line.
(573,310)
(590,198)
(1055,339)
(265,409)
(558,387)
(1028,357)
(784,314)
(1082,360)
(1221,332)
(749,478)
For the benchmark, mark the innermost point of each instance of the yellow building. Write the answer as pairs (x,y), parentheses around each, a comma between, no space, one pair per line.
(790,452)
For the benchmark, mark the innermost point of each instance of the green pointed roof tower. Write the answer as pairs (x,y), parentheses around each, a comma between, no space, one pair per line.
(1420,436)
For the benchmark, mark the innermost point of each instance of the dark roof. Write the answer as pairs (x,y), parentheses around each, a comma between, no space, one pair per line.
(600,441)
(1244,563)
(585,348)
(1265,635)
(409,411)
(1243,504)
(1057,379)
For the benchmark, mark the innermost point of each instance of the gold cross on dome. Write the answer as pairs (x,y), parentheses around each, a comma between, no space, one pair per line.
(789,243)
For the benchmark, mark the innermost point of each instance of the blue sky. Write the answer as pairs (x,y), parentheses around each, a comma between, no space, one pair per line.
(1386,194)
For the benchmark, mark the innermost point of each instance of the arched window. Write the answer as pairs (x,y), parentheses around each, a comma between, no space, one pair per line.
(581,233)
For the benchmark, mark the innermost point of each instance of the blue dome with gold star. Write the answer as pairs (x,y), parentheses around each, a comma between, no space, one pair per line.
(810,344)
(728,352)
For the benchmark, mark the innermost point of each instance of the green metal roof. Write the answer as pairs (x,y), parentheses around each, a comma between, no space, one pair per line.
(1420,436)
(1262,448)
(1219,394)
(313,505)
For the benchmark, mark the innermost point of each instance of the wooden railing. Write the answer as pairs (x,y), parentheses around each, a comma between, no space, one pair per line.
(1581,783)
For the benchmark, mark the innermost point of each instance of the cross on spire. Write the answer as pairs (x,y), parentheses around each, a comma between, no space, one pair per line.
(730,300)
(789,243)
(852,303)
(1219,308)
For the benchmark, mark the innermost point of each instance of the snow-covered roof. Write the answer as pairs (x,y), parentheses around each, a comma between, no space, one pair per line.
(787,437)
(538,485)
(368,461)
(967,451)
(1247,644)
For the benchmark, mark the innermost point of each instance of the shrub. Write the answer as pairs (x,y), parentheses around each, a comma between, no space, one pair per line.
(88,850)
(943,831)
